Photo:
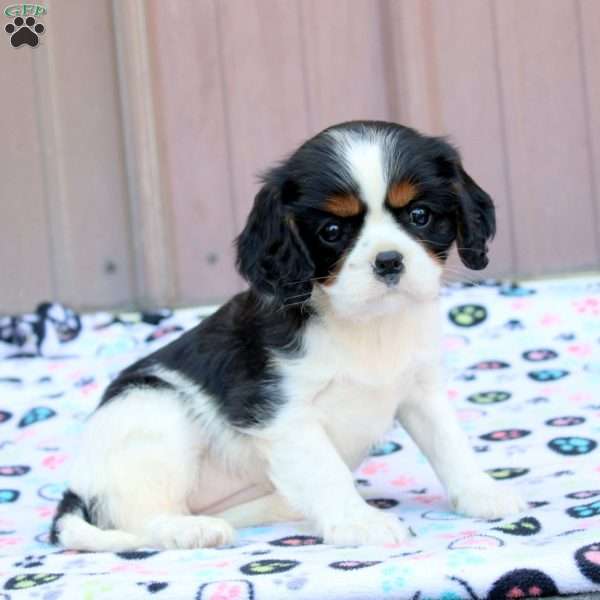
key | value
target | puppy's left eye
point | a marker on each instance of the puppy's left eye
(420, 216)
(330, 233)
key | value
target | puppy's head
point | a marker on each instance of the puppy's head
(362, 217)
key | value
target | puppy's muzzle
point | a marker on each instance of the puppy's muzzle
(388, 266)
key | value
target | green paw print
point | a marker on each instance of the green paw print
(489, 397)
(468, 315)
(24, 582)
(507, 473)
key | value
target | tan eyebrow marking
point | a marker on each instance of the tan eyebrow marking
(401, 193)
(343, 206)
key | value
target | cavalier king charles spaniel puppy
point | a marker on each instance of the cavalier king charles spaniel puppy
(261, 412)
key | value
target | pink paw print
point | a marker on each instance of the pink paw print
(580, 350)
(403, 481)
(550, 319)
(428, 500)
(54, 461)
(373, 467)
(588, 306)
(227, 591)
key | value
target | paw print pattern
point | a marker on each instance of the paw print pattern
(353, 565)
(154, 586)
(385, 448)
(36, 415)
(382, 503)
(567, 421)
(507, 472)
(31, 561)
(572, 446)
(24, 582)
(7, 496)
(238, 589)
(583, 495)
(489, 365)
(468, 315)
(545, 375)
(24, 32)
(492, 397)
(268, 566)
(297, 540)
(584, 511)
(588, 561)
(539, 355)
(516, 291)
(503, 435)
(524, 526)
(14, 470)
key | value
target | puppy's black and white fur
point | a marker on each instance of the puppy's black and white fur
(260, 413)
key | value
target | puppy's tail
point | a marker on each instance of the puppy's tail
(73, 528)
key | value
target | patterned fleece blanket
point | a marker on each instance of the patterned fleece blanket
(523, 365)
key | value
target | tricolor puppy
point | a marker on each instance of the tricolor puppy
(260, 413)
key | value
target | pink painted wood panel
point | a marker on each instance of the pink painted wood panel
(345, 59)
(194, 140)
(265, 89)
(86, 154)
(589, 30)
(547, 132)
(25, 261)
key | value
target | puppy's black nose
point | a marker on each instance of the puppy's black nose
(389, 265)
(389, 262)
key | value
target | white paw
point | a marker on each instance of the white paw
(183, 532)
(487, 500)
(367, 526)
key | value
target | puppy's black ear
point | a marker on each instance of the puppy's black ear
(270, 253)
(476, 222)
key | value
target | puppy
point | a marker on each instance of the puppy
(260, 413)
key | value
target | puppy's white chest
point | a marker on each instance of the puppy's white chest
(355, 416)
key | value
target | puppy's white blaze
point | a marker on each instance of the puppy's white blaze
(364, 158)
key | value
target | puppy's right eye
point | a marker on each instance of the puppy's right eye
(331, 232)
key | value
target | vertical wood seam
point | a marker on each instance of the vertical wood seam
(587, 114)
(391, 66)
(233, 190)
(53, 174)
(150, 223)
(506, 171)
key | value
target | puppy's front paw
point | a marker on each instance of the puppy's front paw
(367, 526)
(184, 532)
(487, 500)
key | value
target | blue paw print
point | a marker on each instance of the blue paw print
(385, 448)
(583, 511)
(572, 446)
(544, 375)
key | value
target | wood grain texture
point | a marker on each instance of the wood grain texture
(83, 151)
(589, 32)
(546, 128)
(193, 139)
(345, 61)
(265, 93)
(25, 250)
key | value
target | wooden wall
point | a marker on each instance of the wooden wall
(131, 143)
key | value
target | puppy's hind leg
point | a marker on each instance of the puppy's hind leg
(140, 471)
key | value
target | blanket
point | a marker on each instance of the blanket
(523, 371)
